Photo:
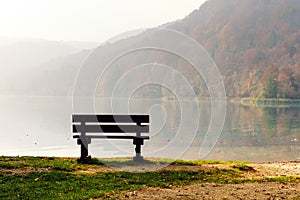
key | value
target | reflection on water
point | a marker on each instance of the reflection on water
(260, 134)
(42, 126)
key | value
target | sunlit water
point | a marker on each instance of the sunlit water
(40, 126)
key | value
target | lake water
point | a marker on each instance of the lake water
(41, 126)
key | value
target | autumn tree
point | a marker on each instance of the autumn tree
(290, 83)
(271, 85)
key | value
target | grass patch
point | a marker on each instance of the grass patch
(283, 179)
(51, 163)
(71, 164)
(243, 167)
(125, 161)
(62, 181)
(203, 162)
(66, 185)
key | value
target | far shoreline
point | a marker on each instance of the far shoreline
(280, 102)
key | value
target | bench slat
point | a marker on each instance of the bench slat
(111, 118)
(110, 129)
(113, 137)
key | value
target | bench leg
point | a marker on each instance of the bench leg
(138, 144)
(84, 156)
(84, 151)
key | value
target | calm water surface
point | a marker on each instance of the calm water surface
(41, 126)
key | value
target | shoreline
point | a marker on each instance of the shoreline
(280, 102)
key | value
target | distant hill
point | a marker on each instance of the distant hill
(18, 53)
(255, 44)
(27, 65)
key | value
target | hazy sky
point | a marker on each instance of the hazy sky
(87, 20)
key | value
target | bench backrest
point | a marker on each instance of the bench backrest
(110, 123)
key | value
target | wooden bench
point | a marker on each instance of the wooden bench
(130, 127)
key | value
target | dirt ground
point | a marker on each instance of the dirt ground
(226, 191)
(256, 190)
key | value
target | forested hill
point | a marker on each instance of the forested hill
(255, 43)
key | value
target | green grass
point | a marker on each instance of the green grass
(67, 185)
(64, 164)
(243, 167)
(165, 161)
(283, 179)
(59, 178)
(202, 162)
(71, 164)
